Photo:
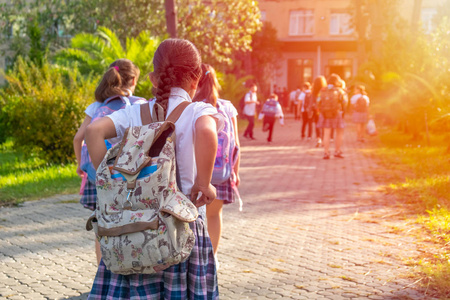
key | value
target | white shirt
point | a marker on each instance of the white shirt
(184, 130)
(292, 96)
(91, 109)
(250, 108)
(229, 108)
(357, 96)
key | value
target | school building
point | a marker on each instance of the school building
(318, 37)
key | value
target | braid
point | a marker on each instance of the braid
(176, 64)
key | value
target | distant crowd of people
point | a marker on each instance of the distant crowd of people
(321, 107)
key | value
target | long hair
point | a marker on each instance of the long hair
(335, 80)
(117, 79)
(319, 83)
(176, 64)
(208, 86)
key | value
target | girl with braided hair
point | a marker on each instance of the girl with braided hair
(227, 192)
(177, 69)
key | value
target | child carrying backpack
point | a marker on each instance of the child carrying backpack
(270, 112)
(360, 108)
(184, 147)
(225, 177)
(113, 93)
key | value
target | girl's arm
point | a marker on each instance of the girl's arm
(96, 133)
(238, 144)
(205, 143)
(78, 142)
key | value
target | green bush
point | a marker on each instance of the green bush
(43, 107)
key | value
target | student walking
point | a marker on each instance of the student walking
(360, 111)
(226, 168)
(270, 112)
(114, 91)
(251, 100)
(319, 83)
(177, 70)
(306, 109)
(331, 106)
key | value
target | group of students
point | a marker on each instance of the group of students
(178, 77)
(322, 105)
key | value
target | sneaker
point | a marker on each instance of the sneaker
(252, 138)
(338, 154)
(326, 156)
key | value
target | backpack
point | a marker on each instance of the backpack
(109, 106)
(270, 108)
(329, 102)
(226, 148)
(142, 218)
(361, 105)
(309, 105)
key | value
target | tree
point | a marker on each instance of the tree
(217, 27)
(262, 61)
(95, 52)
(54, 19)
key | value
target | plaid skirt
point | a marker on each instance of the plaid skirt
(225, 192)
(337, 122)
(358, 117)
(194, 279)
(89, 197)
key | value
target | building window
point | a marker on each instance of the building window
(340, 24)
(301, 22)
(299, 72)
(427, 15)
(341, 67)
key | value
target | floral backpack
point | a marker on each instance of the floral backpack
(142, 218)
(227, 150)
(109, 106)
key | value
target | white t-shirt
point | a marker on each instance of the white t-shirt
(91, 109)
(250, 108)
(357, 96)
(184, 130)
(229, 108)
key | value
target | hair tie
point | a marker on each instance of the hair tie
(207, 73)
(117, 68)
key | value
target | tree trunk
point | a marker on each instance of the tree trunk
(171, 18)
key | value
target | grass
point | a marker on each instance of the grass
(28, 177)
(418, 177)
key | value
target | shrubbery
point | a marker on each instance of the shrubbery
(42, 108)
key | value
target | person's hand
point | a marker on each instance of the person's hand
(237, 179)
(79, 172)
(207, 194)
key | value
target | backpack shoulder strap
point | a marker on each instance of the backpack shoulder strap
(146, 117)
(176, 113)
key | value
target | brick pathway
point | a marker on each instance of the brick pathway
(305, 232)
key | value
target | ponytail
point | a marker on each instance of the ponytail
(117, 79)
